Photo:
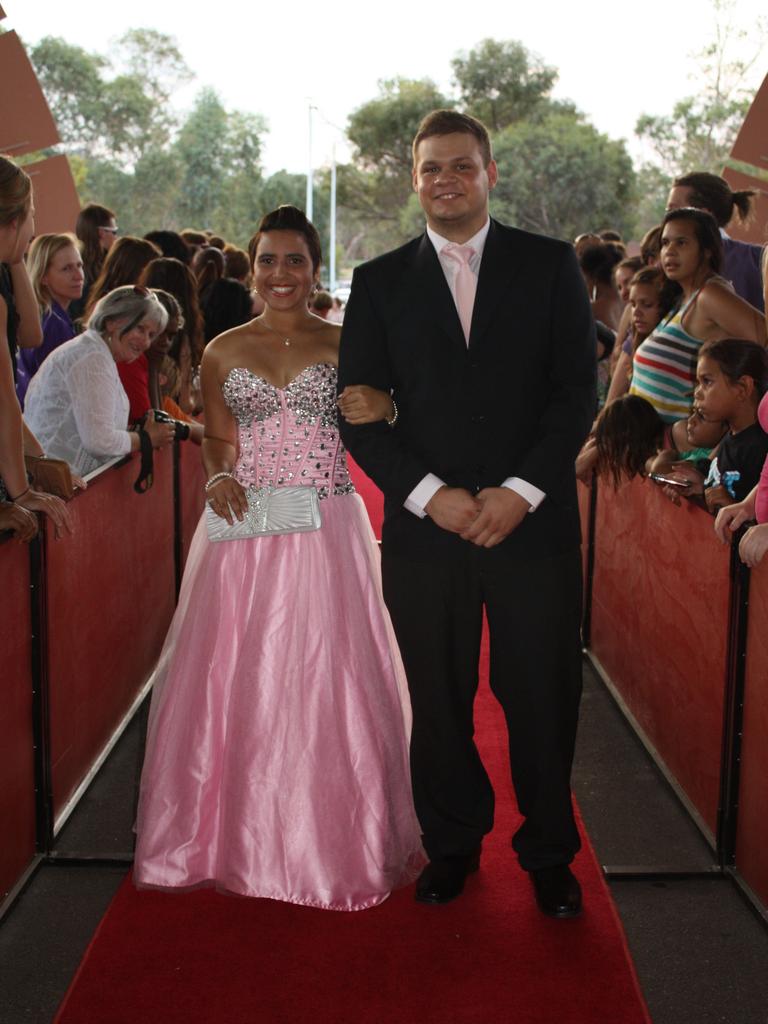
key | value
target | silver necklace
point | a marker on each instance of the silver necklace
(285, 341)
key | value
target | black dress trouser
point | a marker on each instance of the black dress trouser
(534, 612)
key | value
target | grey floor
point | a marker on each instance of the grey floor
(700, 951)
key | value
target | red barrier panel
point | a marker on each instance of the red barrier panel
(191, 494)
(17, 783)
(660, 626)
(110, 597)
(752, 830)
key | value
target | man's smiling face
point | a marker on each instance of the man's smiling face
(453, 183)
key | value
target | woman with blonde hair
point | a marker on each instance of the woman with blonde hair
(56, 271)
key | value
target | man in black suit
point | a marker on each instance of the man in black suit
(484, 336)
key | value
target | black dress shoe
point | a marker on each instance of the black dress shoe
(443, 880)
(558, 893)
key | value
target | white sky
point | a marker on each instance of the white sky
(616, 60)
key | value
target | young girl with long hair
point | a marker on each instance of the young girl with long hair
(123, 265)
(171, 275)
(754, 544)
(707, 310)
(731, 380)
(650, 299)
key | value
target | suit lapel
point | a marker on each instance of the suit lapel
(497, 268)
(431, 292)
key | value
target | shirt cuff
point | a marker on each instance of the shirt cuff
(421, 494)
(532, 494)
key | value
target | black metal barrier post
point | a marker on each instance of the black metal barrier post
(40, 696)
(733, 709)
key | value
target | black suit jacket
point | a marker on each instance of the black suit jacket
(518, 401)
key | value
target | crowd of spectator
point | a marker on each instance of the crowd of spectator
(101, 338)
(683, 369)
(104, 334)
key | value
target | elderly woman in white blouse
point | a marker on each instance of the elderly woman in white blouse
(76, 404)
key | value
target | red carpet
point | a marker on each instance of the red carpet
(488, 957)
(161, 959)
(370, 493)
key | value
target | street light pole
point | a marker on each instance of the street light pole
(332, 261)
(310, 182)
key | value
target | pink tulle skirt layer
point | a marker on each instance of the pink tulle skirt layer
(277, 752)
(761, 503)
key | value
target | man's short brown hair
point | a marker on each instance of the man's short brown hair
(447, 122)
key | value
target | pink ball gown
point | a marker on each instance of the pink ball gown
(277, 749)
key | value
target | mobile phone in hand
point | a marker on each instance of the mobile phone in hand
(659, 479)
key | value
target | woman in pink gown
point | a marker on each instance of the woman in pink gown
(277, 749)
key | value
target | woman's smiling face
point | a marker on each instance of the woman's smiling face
(283, 274)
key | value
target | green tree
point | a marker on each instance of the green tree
(561, 177)
(283, 188)
(382, 130)
(501, 82)
(72, 81)
(219, 152)
(200, 149)
(376, 186)
(653, 185)
(110, 113)
(700, 131)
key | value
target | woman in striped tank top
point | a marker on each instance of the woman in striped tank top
(664, 366)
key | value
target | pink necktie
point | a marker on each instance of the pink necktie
(465, 284)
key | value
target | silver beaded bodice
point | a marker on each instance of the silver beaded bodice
(289, 436)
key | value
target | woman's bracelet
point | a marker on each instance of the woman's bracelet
(213, 480)
(392, 420)
(19, 495)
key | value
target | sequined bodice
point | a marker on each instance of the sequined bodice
(289, 436)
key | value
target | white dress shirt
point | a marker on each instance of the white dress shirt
(417, 500)
(76, 404)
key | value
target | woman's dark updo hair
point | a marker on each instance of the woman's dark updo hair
(713, 193)
(170, 243)
(288, 218)
(599, 260)
(738, 358)
(707, 232)
(208, 268)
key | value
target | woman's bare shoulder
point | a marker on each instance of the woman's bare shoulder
(230, 342)
(716, 291)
